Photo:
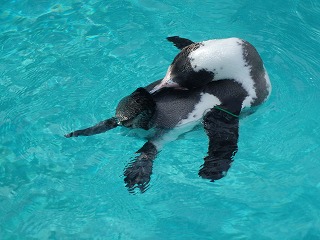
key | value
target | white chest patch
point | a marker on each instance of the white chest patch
(224, 57)
(207, 101)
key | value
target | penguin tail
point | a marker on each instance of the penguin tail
(179, 42)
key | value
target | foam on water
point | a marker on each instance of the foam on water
(66, 66)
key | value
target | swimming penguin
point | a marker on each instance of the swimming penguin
(232, 58)
(169, 112)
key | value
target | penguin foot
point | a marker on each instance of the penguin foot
(138, 172)
(215, 170)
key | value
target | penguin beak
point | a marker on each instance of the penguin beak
(156, 88)
(168, 83)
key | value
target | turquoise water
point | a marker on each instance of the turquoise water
(65, 65)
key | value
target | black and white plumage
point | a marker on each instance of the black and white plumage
(169, 112)
(232, 58)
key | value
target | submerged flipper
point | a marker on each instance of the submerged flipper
(96, 129)
(138, 172)
(179, 42)
(133, 111)
(222, 129)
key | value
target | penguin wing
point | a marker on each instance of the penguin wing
(222, 129)
(179, 42)
(101, 127)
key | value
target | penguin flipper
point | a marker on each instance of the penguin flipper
(179, 42)
(222, 129)
(101, 127)
(138, 172)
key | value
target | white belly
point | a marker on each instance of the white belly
(224, 57)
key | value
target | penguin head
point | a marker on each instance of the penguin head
(136, 110)
(183, 73)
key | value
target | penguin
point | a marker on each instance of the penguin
(168, 112)
(232, 58)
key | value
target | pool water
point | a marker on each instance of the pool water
(65, 65)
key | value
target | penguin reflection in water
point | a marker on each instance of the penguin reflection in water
(209, 82)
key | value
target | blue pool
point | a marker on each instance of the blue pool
(65, 65)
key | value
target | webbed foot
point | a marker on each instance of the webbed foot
(138, 172)
(214, 169)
